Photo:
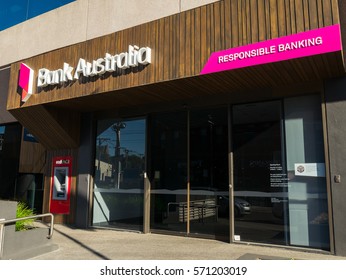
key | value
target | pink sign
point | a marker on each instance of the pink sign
(26, 78)
(313, 42)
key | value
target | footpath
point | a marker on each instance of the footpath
(103, 244)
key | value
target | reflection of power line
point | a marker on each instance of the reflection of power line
(113, 142)
(109, 134)
(127, 140)
(127, 151)
(133, 133)
(124, 150)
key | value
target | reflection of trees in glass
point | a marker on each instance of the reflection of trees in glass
(119, 161)
(103, 160)
(102, 153)
(133, 161)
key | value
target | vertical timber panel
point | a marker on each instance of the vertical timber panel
(313, 11)
(32, 157)
(299, 16)
(281, 18)
(254, 21)
(274, 26)
(261, 21)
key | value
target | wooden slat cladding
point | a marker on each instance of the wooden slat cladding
(32, 157)
(53, 128)
(181, 44)
(257, 20)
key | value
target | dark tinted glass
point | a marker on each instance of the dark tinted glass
(29, 188)
(260, 180)
(10, 136)
(279, 173)
(168, 151)
(209, 199)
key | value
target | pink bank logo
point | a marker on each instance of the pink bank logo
(313, 42)
(26, 78)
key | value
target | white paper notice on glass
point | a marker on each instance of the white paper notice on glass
(310, 169)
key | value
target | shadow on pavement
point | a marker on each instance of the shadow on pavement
(83, 245)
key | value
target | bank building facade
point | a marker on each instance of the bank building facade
(208, 119)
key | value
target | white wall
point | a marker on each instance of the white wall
(122, 14)
(82, 20)
(190, 4)
(55, 29)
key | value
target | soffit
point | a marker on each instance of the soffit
(277, 75)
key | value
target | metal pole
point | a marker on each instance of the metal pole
(188, 173)
(1, 237)
(3, 222)
(117, 161)
(117, 158)
(51, 228)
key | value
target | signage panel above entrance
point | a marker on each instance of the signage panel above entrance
(110, 63)
(134, 57)
(309, 43)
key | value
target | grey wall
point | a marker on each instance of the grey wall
(5, 117)
(335, 92)
(83, 20)
(8, 209)
(342, 12)
(19, 245)
(85, 169)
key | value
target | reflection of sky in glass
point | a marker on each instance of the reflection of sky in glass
(132, 138)
(2, 129)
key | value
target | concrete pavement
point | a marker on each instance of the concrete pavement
(103, 244)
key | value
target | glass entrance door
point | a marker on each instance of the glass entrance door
(259, 177)
(209, 180)
(168, 164)
(189, 172)
(280, 193)
(119, 174)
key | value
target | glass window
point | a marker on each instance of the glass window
(168, 150)
(29, 188)
(279, 172)
(10, 137)
(260, 188)
(207, 156)
(2, 133)
(119, 174)
(307, 192)
(209, 196)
